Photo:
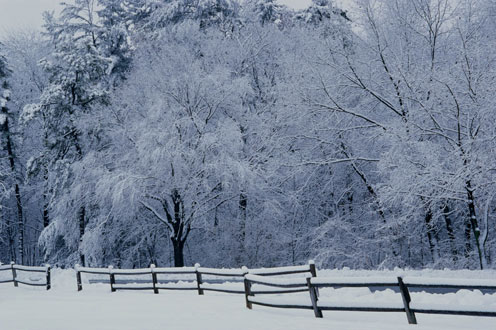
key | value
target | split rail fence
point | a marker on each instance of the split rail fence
(200, 278)
(266, 281)
(312, 285)
(15, 269)
(255, 284)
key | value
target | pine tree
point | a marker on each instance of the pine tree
(78, 72)
(269, 11)
(8, 146)
(220, 13)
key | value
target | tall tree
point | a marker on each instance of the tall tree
(6, 117)
(174, 165)
(77, 71)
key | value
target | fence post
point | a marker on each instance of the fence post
(247, 288)
(313, 271)
(112, 279)
(48, 280)
(313, 296)
(78, 278)
(154, 278)
(199, 280)
(14, 274)
(405, 295)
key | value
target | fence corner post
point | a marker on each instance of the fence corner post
(112, 278)
(199, 280)
(313, 297)
(48, 279)
(248, 292)
(154, 278)
(14, 274)
(405, 295)
(78, 278)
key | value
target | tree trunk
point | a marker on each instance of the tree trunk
(82, 214)
(10, 152)
(451, 233)
(468, 234)
(430, 232)
(20, 223)
(243, 203)
(178, 246)
(377, 201)
(474, 223)
(10, 235)
(82, 210)
(180, 232)
(46, 215)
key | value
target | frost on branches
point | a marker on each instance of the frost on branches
(238, 133)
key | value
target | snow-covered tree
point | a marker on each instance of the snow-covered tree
(77, 71)
(220, 13)
(169, 153)
(9, 149)
(246, 133)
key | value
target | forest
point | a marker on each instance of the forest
(231, 133)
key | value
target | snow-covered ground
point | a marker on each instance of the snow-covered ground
(96, 307)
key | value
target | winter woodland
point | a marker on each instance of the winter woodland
(235, 133)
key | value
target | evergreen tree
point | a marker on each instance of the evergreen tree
(9, 148)
(77, 81)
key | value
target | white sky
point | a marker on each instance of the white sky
(22, 14)
(26, 14)
(298, 4)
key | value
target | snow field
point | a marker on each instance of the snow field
(27, 308)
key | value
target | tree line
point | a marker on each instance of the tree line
(248, 133)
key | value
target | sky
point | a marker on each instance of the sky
(23, 14)
(27, 14)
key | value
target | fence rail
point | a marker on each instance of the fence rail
(313, 284)
(14, 269)
(256, 284)
(199, 283)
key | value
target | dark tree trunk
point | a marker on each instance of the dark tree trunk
(180, 232)
(377, 202)
(11, 243)
(178, 252)
(451, 233)
(46, 215)
(10, 235)
(20, 226)
(243, 203)
(178, 224)
(82, 210)
(10, 152)
(468, 246)
(473, 221)
(430, 232)
(82, 215)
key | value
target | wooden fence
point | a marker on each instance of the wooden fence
(257, 283)
(313, 284)
(14, 269)
(201, 280)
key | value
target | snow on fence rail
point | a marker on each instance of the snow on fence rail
(313, 284)
(13, 268)
(283, 285)
(199, 284)
(152, 271)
